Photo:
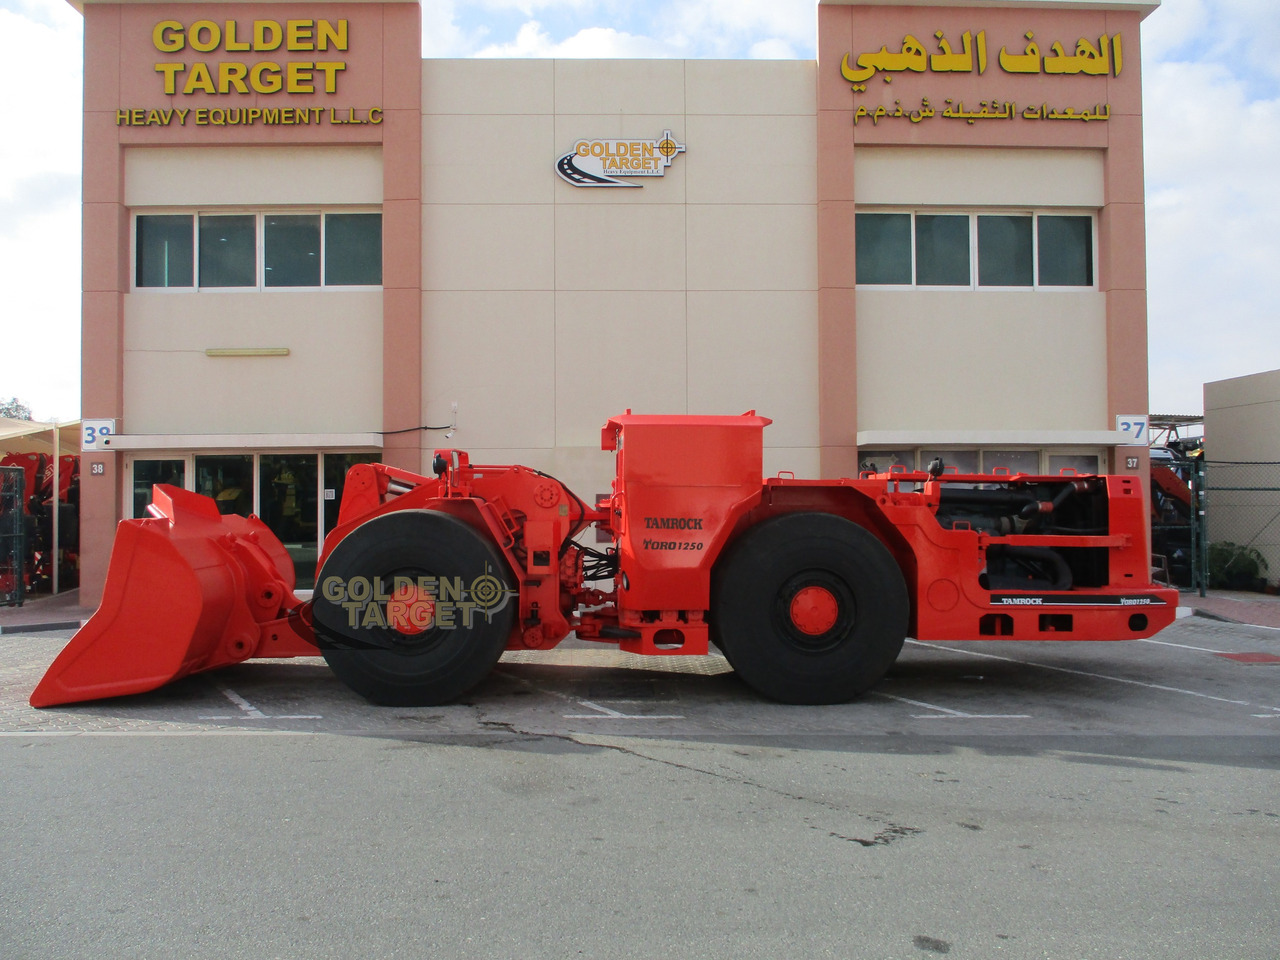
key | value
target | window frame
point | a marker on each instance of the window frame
(973, 214)
(260, 215)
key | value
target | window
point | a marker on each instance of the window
(1070, 461)
(942, 250)
(883, 247)
(972, 250)
(884, 461)
(953, 461)
(353, 249)
(291, 251)
(1066, 251)
(165, 256)
(1015, 461)
(981, 460)
(228, 480)
(1004, 251)
(147, 473)
(228, 252)
(258, 250)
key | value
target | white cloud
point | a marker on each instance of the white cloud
(40, 274)
(441, 36)
(1213, 199)
(773, 29)
(40, 67)
(530, 8)
(592, 43)
(1238, 34)
(772, 49)
(40, 63)
(730, 27)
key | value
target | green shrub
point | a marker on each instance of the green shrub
(1233, 567)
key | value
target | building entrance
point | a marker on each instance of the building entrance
(295, 494)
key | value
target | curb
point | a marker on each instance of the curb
(1219, 618)
(18, 628)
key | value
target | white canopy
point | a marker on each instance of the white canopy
(36, 436)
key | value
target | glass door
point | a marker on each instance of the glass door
(336, 466)
(296, 495)
(147, 473)
(287, 487)
(228, 480)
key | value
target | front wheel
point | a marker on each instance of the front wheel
(413, 608)
(809, 608)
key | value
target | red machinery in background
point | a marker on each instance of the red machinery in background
(808, 587)
(40, 553)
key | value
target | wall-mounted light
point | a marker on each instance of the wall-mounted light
(247, 352)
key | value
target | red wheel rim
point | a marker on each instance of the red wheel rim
(410, 610)
(814, 610)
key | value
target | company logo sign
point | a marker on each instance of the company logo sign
(598, 163)
(233, 73)
(1104, 59)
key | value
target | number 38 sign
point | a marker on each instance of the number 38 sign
(96, 435)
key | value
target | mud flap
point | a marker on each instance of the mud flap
(187, 590)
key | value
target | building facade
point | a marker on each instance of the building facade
(305, 246)
(1242, 447)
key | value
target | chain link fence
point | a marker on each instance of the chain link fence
(12, 536)
(1238, 538)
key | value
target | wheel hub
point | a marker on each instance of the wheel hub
(411, 610)
(814, 610)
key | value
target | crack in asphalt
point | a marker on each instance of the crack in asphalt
(890, 832)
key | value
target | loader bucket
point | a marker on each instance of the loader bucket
(185, 592)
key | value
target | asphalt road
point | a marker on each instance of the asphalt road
(1050, 800)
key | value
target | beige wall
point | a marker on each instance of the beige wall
(331, 381)
(548, 308)
(276, 176)
(987, 360)
(1242, 418)
(1242, 426)
(979, 176)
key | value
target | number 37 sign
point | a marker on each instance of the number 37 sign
(1134, 427)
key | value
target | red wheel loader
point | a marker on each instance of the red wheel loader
(808, 587)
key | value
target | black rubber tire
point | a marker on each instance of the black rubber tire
(432, 667)
(752, 588)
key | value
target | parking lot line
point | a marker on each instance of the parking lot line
(605, 714)
(1087, 673)
(249, 711)
(946, 713)
(248, 708)
(220, 732)
(1181, 646)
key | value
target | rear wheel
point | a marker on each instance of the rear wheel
(413, 608)
(809, 608)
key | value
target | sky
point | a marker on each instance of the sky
(1211, 90)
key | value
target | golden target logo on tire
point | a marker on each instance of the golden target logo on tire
(487, 591)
